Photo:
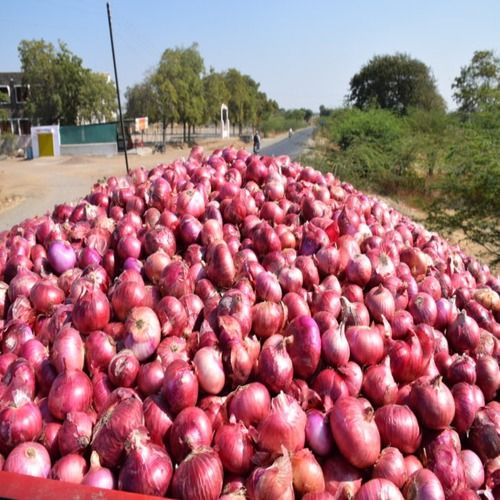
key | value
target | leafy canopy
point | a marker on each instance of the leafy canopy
(395, 82)
(61, 88)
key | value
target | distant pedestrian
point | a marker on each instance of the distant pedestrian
(256, 142)
(290, 133)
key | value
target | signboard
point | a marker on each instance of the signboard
(141, 124)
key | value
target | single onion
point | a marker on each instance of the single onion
(366, 345)
(473, 468)
(379, 488)
(67, 350)
(150, 377)
(235, 447)
(268, 318)
(180, 386)
(61, 256)
(380, 303)
(342, 480)
(307, 473)
(75, 434)
(29, 459)
(379, 385)
(391, 465)
(423, 308)
(432, 402)
(99, 350)
(143, 332)
(422, 485)
(275, 367)
(91, 311)
(304, 345)
(283, 426)
(123, 368)
(157, 418)
(355, 432)
(250, 404)
(147, 469)
(98, 476)
(274, 481)
(70, 469)
(318, 435)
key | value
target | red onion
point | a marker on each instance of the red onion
(358, 270)
(309, 270)
(267, 287)
(126, 295)
(274, 481)
(423, 308)
(342, 480)
(432, 402)
(379, 488)
(114, 426)
(250, 404)
(275, 367)
(61, 256)
(461, 369)
(70, 391)
(380, 303)
(326, 300)
(15, 335)
(318, 434)
(91, 311)
(99, 350)
(488, 376)
(268, 318)
(147, 469)
(70, 469)
(209, 369)
(283, 426)
(75, 433)
(423, 484)
(180, 386)
(296, 306)
(49, 437)
(412, 464)
(235, 447)
(391, 465)
(379, 385)
(68, 350)
(468, 399)
(463, 333)
(44, 295)
(483, 434)
(29, 459)
(20, 421)
(473, 468)
(157, 418)
(366, 345)
(220, 266)
(307, 473)
(143, 333)
(304, 345)
(335, 347)
(97, 476)
(398, 427)
(175, 280)
(199, 475)
(123, 368)
(446, 463)
(355, 432)
(150, 377)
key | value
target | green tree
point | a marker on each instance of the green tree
(97, 98)
(178, 82)
(396, 82)
(477, 88)
(4, 114)
(62, 90)
(215, 93)
(140, 101)
(236, 86)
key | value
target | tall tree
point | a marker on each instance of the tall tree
(215, 93)
(396, 82)
(62, 90)
(97, 98)
(237, 97)
(178, 77)
(477, 88)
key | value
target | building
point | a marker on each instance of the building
(14, 94)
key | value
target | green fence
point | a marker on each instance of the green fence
(88, 134)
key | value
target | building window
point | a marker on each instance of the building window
(5, 94)
(21, 93)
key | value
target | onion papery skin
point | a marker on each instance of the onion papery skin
(29, 459)
(352, 423)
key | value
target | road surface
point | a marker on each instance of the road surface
(292, 147)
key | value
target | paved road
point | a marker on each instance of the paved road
(293, 146)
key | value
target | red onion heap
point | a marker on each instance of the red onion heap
(237, 326)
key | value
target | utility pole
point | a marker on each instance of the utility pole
(117, 88)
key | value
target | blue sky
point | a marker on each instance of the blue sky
(303, 53)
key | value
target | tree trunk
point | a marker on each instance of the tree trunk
(240, 128)
(184, 131)
(189, 133)
(164, 131)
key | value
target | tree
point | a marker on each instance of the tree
(215, 93)
(178, 83)
(396, 82)
(237, 97)
(477, 88)
(97, 98)
(61, 89)
(140, 101)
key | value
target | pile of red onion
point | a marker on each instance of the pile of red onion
(235, 326)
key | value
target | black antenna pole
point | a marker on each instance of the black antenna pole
(117, 88)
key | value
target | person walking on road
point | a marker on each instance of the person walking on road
(256, 142)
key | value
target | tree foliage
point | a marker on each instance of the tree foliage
(477, 88)
(216, 93)
(62, 90)
(395, 82)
